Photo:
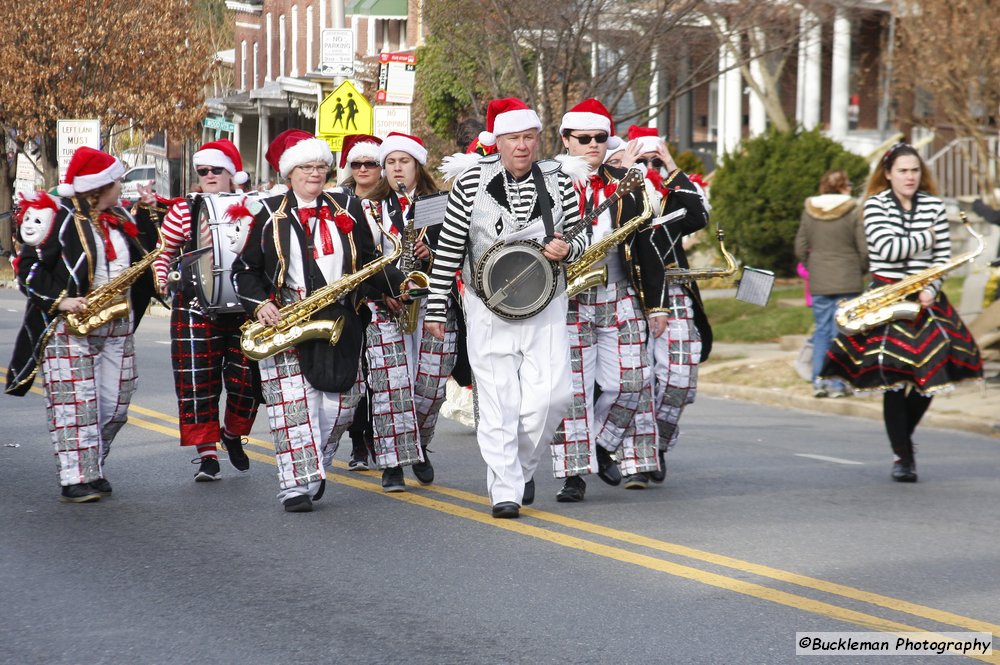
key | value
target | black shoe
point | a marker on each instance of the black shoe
(237, 457)
(359, 455)
(101, 486)
(80, 493)
(528, 497)
(392, 479)
(319, 492)
(637, 481)
(208, 470)
(424, 471)
(904, 473)
(506, 510)
(573, 489)
(660, 474)
(300, 503)
(607, 468)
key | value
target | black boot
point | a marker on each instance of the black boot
(573, 490)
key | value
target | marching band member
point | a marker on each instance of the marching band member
(391, 416)
(687, 339)
(299, 242)
(521, 367)
(607, 325)
(403, 158)
(71, 249)
(908, 361)
(204, 346)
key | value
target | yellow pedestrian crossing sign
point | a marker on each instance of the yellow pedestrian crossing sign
(344, 111)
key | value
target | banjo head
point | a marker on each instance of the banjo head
(515, 280)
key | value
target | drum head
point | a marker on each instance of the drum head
(518, 282)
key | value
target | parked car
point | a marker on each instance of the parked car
(141, 174)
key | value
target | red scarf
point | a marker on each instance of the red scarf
(596, 185)
(106, 221)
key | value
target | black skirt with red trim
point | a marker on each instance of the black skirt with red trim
(929, 353)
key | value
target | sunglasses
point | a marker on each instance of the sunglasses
(585, 140)
(205, 170)
(656, 163)
(356, 166)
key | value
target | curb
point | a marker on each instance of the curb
(841, 407)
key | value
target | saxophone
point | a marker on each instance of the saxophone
(581, 275)
(888, 303)
(296, 326)
(679, 276)
(409, 316)
(108, 301)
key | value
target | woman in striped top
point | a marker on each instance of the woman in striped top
(907, 232)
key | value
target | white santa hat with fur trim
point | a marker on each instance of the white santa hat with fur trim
(591, 115)
(506, 116)
(396, 141)
(294, 147)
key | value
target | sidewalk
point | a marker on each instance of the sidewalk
(764, 373)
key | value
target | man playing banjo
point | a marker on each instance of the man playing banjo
(515, 301)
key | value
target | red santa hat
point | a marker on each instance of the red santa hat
(222, 153)
(411, 145)
(648, 138)
(294, 147)
(506, 116)
(357, 146)
(591, 115)
(88, 170)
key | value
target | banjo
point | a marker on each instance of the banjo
(514, 279)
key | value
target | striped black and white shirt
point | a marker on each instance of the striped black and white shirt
(902, 242)
(452, 243)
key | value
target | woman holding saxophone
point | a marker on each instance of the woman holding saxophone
(307, 254)
(908, 360)
(85, 257)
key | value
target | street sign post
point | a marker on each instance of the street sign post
(72, 134)
(391, 119)
(397, 76)
(337, 53)
(344, 111)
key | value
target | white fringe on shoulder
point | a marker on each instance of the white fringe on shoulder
(455, 165)
(575, 167)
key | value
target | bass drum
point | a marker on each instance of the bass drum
(211, 232)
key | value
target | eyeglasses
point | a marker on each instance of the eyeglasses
(585, 140)
(656, 163)
(313, 168)
(205, 170)
(357, 166)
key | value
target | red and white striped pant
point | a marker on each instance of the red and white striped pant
(88, 384)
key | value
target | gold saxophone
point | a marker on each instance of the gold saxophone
(581, 275)
(109, 301)
(296, 326)
(888, 303)
(681, 276)
(409, 315)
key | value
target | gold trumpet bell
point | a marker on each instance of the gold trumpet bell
(410, 315)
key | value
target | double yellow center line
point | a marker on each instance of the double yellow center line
(457, 503)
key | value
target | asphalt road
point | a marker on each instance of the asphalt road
(771, 522)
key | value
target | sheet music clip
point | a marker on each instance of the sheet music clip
(755, 286)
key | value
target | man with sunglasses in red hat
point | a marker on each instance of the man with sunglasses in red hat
(607, 324)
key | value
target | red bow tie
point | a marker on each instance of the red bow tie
(596, 185)
(323, 213)
(106, 221)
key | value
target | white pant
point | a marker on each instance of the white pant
(522, 387)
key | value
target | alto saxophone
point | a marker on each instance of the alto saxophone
(681, 276)
(409, 315)
(581, 275)
(888, 303)
(109, 301)
(296, 325)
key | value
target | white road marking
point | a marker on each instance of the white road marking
(160, 341)
(824, 458)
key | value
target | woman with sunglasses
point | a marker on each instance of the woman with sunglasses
(906, 227)
(73, 246)
(607, 325)
(387, 374)
(205, 347)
